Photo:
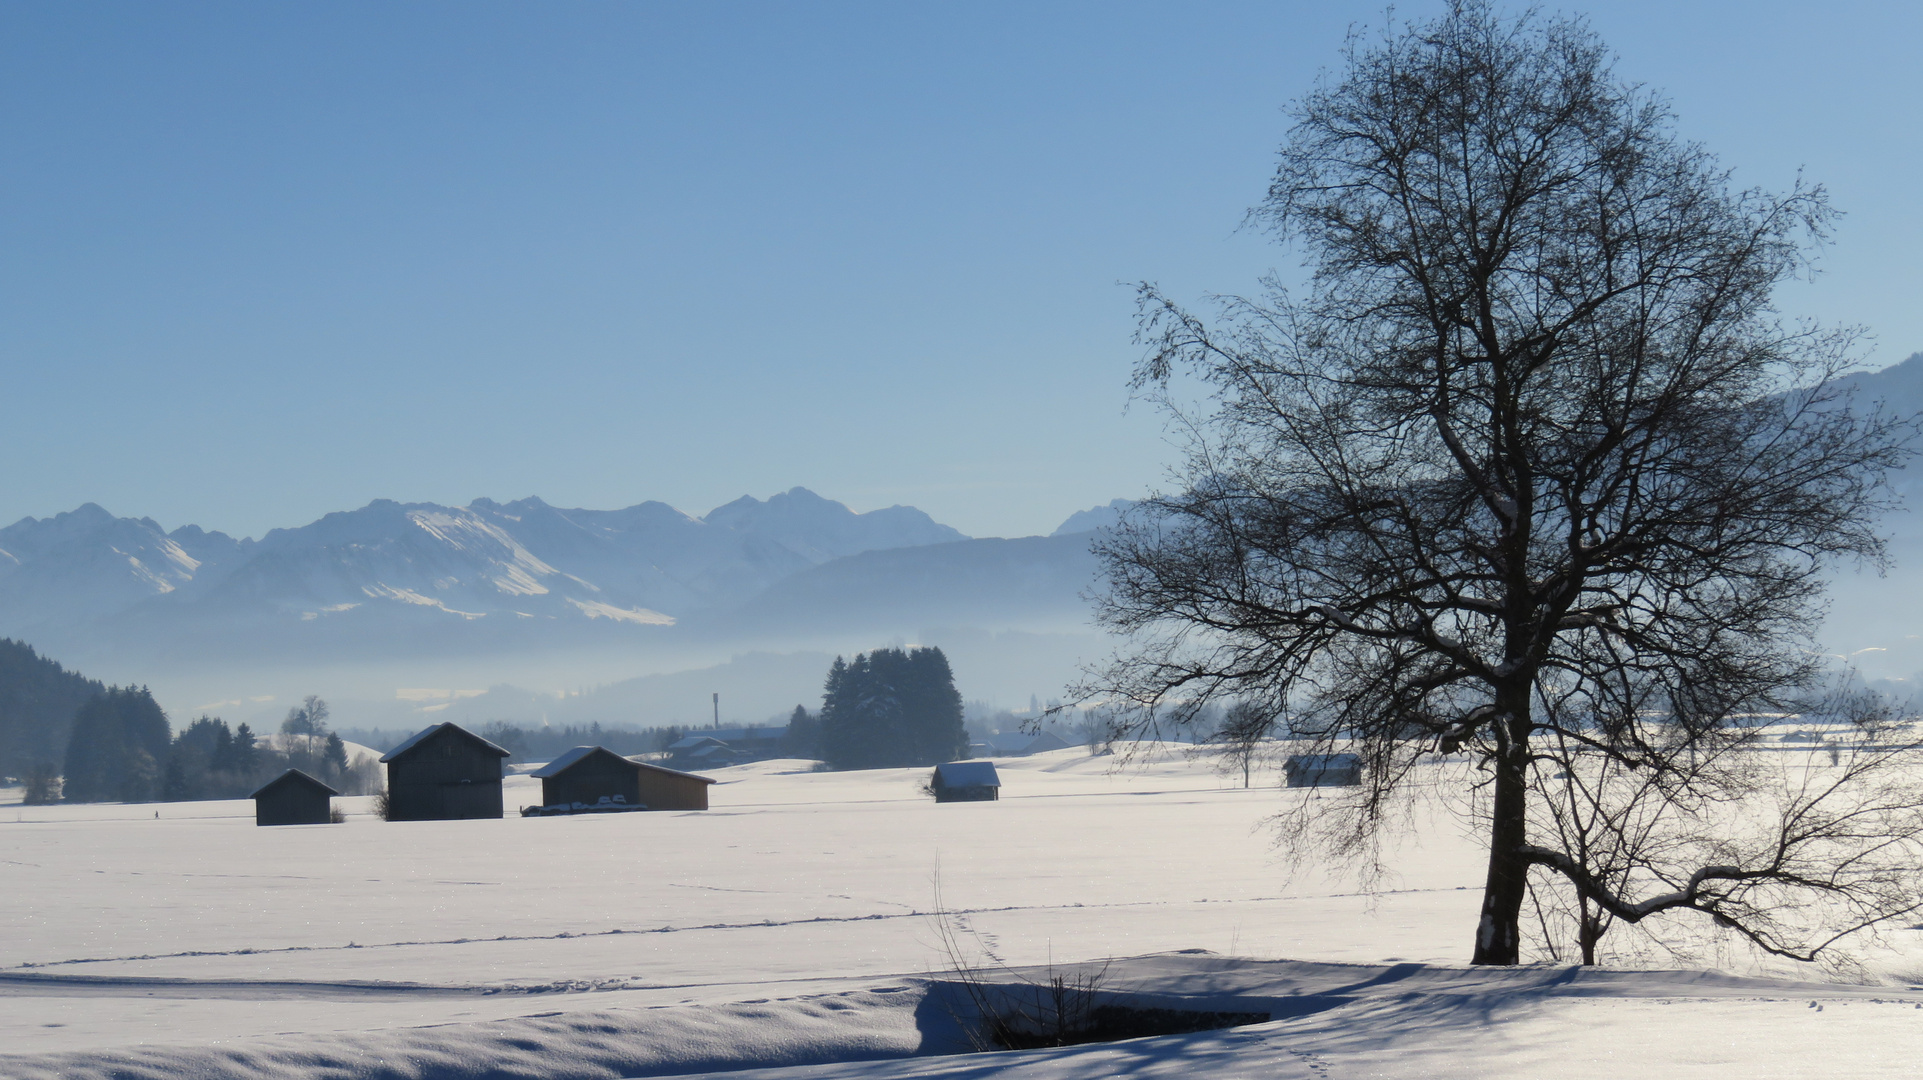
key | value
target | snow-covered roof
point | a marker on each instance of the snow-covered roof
(692, 740)
(675, 772)
(968, 774)
(567, 760)
(418, 737)
(292, 776)
(1324, 761)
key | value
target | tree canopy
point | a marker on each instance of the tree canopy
(1531, 471)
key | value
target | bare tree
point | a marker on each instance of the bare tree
(1244, 731)
(308, 721)
(1531, 464)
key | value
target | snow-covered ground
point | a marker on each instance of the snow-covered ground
(796, 927)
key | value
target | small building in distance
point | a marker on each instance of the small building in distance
(1323, 770)
(293, 798)
(966, 781)
(590, 776)
(1021, 743)
(701, 750)
(750, 743)
(443, 773)
(717, 746)
(663, 788)
(1045, 742)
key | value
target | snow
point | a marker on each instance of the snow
(595, 609)
(792, 931)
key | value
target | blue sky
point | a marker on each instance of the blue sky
(259, 262)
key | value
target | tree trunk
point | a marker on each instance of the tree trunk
(1499, 932)
(1589, 930)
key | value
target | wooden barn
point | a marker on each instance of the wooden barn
(293, 798)
(444, 773)
(966, 781)
(1322, 770)
(590, 776)
(671, 789)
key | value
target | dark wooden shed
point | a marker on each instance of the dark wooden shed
(590, 776)
(293, 798)
(1322, 770)
(966, 781)
(444, 773)
(671, 789)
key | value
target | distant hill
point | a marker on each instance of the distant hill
(38, 699)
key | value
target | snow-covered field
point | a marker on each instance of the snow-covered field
(793, 931)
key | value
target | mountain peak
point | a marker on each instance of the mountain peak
(1095, 517)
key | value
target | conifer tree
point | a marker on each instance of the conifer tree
(892, 708)
(115, 751)
(334, 758)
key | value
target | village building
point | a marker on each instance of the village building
(1322, 770)
(718, 746)
(966, 781)
(750, 743)
(444, 773)
(701, 750)
(293, 798)
(1020, 744)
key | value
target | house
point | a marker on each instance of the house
(293, 798)
(966, 781)
(1046, 741)
(1022, 744)
(751, 743)
(701, 750)
(1323, 770)
(591, 777)
(444, 773)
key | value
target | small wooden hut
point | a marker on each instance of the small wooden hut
(589, 777)
(1322, 770)
(444, 773)
(966, 781)
(663, 788)
(293, 798)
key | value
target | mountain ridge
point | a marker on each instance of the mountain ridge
(524, 559)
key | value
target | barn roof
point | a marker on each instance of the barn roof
(423, 734)
(650, 766)
(694, 740)
(1324, 761)
(292, 776)
(968, 774)
(573, 757)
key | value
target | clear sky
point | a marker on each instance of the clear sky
(259, 261)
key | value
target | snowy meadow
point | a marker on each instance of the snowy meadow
(813, 924)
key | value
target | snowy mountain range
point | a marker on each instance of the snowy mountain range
(401, 575)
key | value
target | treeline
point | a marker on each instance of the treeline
(890, 709)
(72, 739)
